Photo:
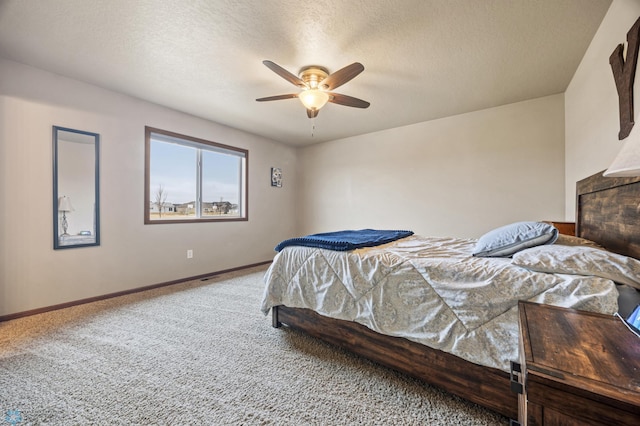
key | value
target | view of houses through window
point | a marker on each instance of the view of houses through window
(190, 179)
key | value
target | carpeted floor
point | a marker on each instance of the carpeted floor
(200, 353)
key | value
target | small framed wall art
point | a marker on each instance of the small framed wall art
(276, 177)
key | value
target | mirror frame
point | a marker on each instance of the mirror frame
(57, 244)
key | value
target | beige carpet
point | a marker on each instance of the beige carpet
(200, 353)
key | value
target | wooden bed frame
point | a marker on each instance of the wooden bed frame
(608, 212)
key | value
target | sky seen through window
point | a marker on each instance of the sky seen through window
(174, 167)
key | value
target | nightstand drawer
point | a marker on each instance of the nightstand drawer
(553, 417)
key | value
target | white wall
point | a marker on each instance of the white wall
(591, 102)
(458, 176)
(33, 275)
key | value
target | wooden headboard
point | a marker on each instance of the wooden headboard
(608, 212)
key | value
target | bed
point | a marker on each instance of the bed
(359, 316)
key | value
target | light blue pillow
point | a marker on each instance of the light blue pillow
(509, 239)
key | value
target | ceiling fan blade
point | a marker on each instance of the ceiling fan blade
(341, 76)
(277, 98)
(312, 113)
(291, 78)
(345, 100)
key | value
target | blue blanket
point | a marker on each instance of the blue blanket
(346, 240)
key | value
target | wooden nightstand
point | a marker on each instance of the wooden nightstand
(566, 228)
(578, 368)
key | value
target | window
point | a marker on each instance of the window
(193, 180)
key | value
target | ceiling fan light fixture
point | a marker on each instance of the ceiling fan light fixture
(317, 86)
(313, 99)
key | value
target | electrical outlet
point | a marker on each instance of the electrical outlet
(189, 254)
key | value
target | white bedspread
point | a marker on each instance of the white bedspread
(429, 290)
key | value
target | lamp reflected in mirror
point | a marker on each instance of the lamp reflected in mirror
(64, 206)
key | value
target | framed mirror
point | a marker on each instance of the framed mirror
(76, 201)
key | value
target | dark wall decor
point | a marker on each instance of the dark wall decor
(276, 177)
(624, 73)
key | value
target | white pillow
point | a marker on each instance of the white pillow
(509, 239)
(580, 260)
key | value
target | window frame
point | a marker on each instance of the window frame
(243, 203)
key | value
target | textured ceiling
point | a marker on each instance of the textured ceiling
(424, 59)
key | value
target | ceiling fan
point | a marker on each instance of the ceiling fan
(317, 85)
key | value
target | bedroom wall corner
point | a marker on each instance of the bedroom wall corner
(591, 103)
(131, 254)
